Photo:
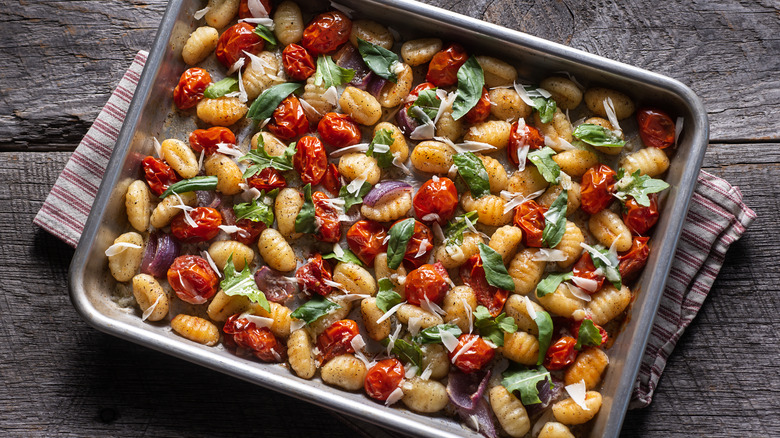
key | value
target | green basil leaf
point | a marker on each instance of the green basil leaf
(549, 284)
(526, 381)
(493, 329)
(380, 60)
(304, 222)
(547, 167)
(608, 263)
(495, 271)
(242, 283)
(400, 233)
(598, 136)
(545, 107)
(351, 199)
(407, 351)
(191, 185)
(428, 102)
(555, 221)
(221, 88)
(637, 186)
(387, 297)
(255, 212)
(329, 74)
(383, 139)
(266, 34)
(473, 172)
(589, 335)
(347, 257)
(471, 80)
(453, 232)
(545, 325)
(263, 107)
(260, 159)
(314, 309)
(432, 335)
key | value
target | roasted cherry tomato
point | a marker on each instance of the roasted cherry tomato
(656, 128)
(632, 261)
(298, 63)
(288, 119)
(421, 238)
(189, 90)
(584, 268)
(236, 40)
(473, 274)
(245, 12)
(208, 140)
(521, 137)
(575, 331)
(326, 33)
(259, 341)
(332, 180)
(158, 175)
(337, 339)
(436, 201)
(481, 110)
(427, 281)
(383, 378)
(597, 187)
(529, 216)
(475, 357)
(367, 240)
(443, 69)
(248, 232)
(327, 218)
(560, 354)
(267, 179)
(192, 278)
(310, 160)
(207, 221)
(638, 218)
(338, 130)
(415, 93)
(311, 276)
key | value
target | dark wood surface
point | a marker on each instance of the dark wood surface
(59, 61)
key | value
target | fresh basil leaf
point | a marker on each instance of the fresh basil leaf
(473, 172)
(589, 335)
(400, 233)
(545, 325)
(380, 60)
(471, 80)
(495, 271)
(255, 212)
(453, 232)
(432, 335)
(305, 221)
(526, 381)
(314, 309)
(608, 263)
(266, 34)
(260, 159)
(637, 186)
(598, 136)
(545, 106)
(555, 221)
(347, 257)
(407, 351)
(379, 148)
(221, 88)
(547, 167)
(493, 329)
(351, 199)
(242, 283)
(428, 102)
(387, 297)
(191, 185)
(329, 74)
(265, 105)
(549, 284)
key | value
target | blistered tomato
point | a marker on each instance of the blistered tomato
(332, 180)
(443, 69)
(208, 140)
(298, 63)
(288, 119)
(529, 216)
(310, 160)
(189, 90)
(597, 187)
(436, 201)
(206, 225)
(337, 340)
(248, 232)
(326, 33)
(192, 278)
(367, 240)
(383, 378)
(584, 268)
(245, 12)
(656, 128)
(158, 175)
(259, 341)
(420, 244)
(327, 218)
(311, 276)
(638, 218)
(521, 137)
(481, 110)
(575, 330)
(632, 261)
(560, 354)
(236, 40)
(267, 179)
(473, 274)
(338, 130)
(475, 355)
(427, 281)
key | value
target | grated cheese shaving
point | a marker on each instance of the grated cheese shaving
(337, 250)
(595, 253)
(609, 107)
(149, 310)
(358, 343)
(157, 147)
(360, 147)
(414, 325)
(296, 324)
(308, 109)
(381, 148)
(529, 308)
(256, 8)
(186, 209)
(438, 233)
(394, 396)
(449, 340)
(267, 22)
(559, 144)
(119, 248)
(578, 292)
(354, 297)
(259, 321)
(237, 65)
(473, 146)
(230, 229)
(242, 96)
(424, 131)
(207, 256)
(467, 309)
(422, 249)
(588, 284)
(520, 89)
(200, 159)
(229, 150)
(465, 348)
(393, 336)
(411, 372)
(447, 99)
(565, 181)
(389, 313)
(431, 307)
(331, 95)
(426, 374)
(549, 255)
(578, 393)
(200, 13)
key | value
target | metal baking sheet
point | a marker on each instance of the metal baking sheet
(92, 288)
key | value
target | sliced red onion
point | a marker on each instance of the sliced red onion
(385, 190)
(375, 85)
(547, 395)
(465, 392)
(363, 81)
(275, 286)
(406, 123)
(349, 57)
(161, 250)
(208, 198)
(228, 215)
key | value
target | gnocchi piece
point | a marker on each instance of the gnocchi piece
(223, 306)
(354, 279)
(229, 176)
(409, 311)
(648, 161)
(389, 210)
(281, 315)
(525, 271)
(151, 297)
(167, 209)
(608, 303)
(199, 45)
(399, 148)
(340, 313)
(138, 205)
(125, 264)
(460, 303)
(608, 228)
(570, 244)
(490, 209)
(393, 94)
(224, 111)
(448, 127)
(222, 250)
(517, 308)
(258, 78)
(496, 173)
(395, 276)
(553, 429)
(505, 241)
(587, 367)
(418, 52)
(526, 181)
(576, 162)
(360, 105)
(435, 357)
(595, 99)
(432, 157)
(564, 91)
(288, 23)
(221, 12)
(497, 73)
(453, 256)
(510, 412)
(562, 302)
(372, 32)
(506, 104)
(277, 253)
(286, 208)
(195, 329)
(180, 157)
(572, 197)
(493, 132)
(272, 145)
(558, 128)
(314, 95)
(371, 314)
(345, 371)
(424, 396)
(299, 354)
(568, 412)
(521, 347)
(358, 164)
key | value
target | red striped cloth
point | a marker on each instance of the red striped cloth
(716, 219)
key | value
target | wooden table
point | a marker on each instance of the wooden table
(60, 60)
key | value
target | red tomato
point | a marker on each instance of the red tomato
(437, 196)
(267, 179)
(638, 218)
(421, 238)
(473, 358)
(310, 160)
(259, 341)
(189, 90)
(339, 130)
(584, 268)
(481, 110)
(244, 12)
(597, 187)
(632, 261)
(326, 33)
(528, 136)
(336, 340)
(427, 281)
(288, 120)
(298, 63)
(575, 330)
(207, 222)
(311, 276)
(327, 218)
(158, 175)
(235, 41)
(367, 240)
(473, 274)
(415, 93)
(529, 216)
(208, 140)
(443, 69)
(656, 128)
(192, 278)
(560, 354)
(332, 180)
(249, 231)
(383, 378)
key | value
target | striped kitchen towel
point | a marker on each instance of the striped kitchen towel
(716, 219)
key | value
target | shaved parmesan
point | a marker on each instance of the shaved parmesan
(397, 67)
(393, 336)
(230, 229)
(515, 199)
(149, 310)
(438, 233)
(157, 147)
(242, 96)
(207, 256)
(465, 348)
(296, 324)
(414, 325)
(256, 8)
(200, 159)
(447, 99)
(338, 251)
(522, 154)
(559, 144)
(588, 284)
(529, 308)
(469, 317)
(186, 209)
(678, 126)
(394, 396)
(431, 307)
(358, 343)
(267, 22)
(549, 255)
(596, 253)
(310, 111)
(259, 321)
(411, 372)
(354, 186)
(520, 89)
(609, 107)
(424, 131)
(238, 64)
(577, 292)
(354, 297)
(390, 313)
(474, 146)
(331, 95)
(474, 421)
(335, 284)
(426, 374)
(381, 148)
(490, 344)
(565, 181)
(578, 393)
(200, 13)
(400, 164)
(360, 147)
(229, 150)
(449, 340)
(119, 247)
(546, 94)
(423, 248)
